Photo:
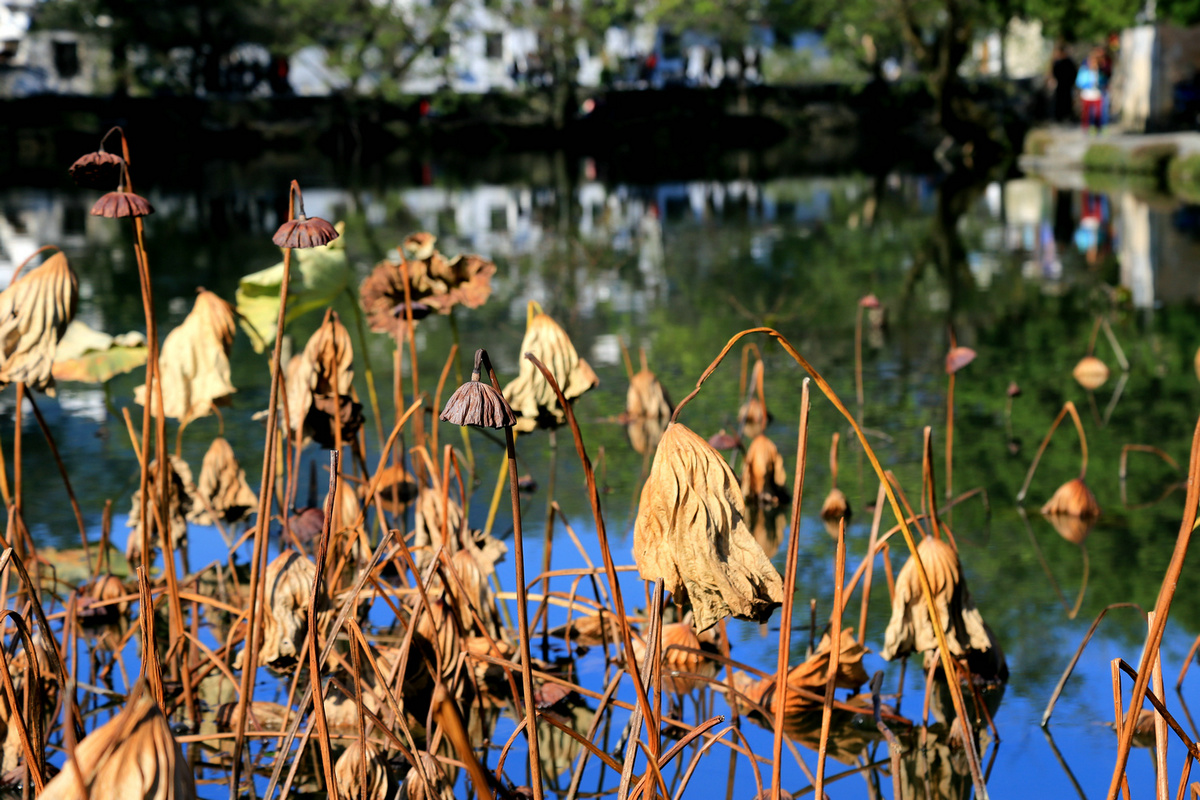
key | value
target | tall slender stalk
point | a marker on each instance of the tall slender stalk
(789, 595)
(835, 654)
(1068, 408)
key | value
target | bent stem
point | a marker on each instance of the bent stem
(535, 763)
(789, 591)
(1068, 408)
(948, 664)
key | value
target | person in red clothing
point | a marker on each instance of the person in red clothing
(1091, 93)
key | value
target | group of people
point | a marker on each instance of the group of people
(1091, 79)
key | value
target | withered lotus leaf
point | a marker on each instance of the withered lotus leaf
(438, 786)
(529, 394)
(835, 506)
(679, 639)
(264, 716)
(289, 583)
(591, 630)
(182, 500)
(763, 474)
(34, 313)
(1073, 499)
(194, 361)
(753, 416)
(397, 488)
(691, 532)
(319, 385)
(222, 488)
(133, 756)
(1090, 372)
(103, 588)
(349, 773)
(118, 205)
(646, 398)
(911, 629)
(811, 676)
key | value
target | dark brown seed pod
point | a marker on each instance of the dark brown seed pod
(97, 170)
(304, 232)
(478, 403)
(115, 205)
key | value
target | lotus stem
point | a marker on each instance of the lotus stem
(1161, 608)
(535, 764)
(858, 366)
(437, 403)
(835, 654)
(926, 588)
(871, 545)
(1068, 408)
(928, 480)
(789, 591)
(610, 568)
(950, 439)
(314, 666)
(257, 588)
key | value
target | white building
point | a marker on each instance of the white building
(47, 62)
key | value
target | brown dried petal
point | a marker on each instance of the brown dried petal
(530, 395)
(116, 205)
(98, 170)
(34, 313)
(691, 532)
(133, 756)
(194, 361)
(478, 403)
(910, 629)
(222, 487)
(304, 232)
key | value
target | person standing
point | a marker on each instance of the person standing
(1062, 79)
(1091, 93)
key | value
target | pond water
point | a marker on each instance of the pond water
(1014, 268)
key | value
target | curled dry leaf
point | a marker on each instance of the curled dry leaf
(182, 500)
(475, 594)
(644, 433)
(194, 361)
(591, 630)
(439, 785)
(810, 676)
(1073, 499)
(691, 532)
(1090, 372)
(678, 640)
(753, 416)
(264, 716)
(133, 756)
(437, 624)
(397, 488)
(320, 385)
(103, 588)
(349, 772)
(910, 629)
(530, 395)
(1072, 528)
(646, 398)
(222, 488)
(289, 583)
(763, 475)
(835, 506)
(434, 283)
(34, 313)
(767, 523)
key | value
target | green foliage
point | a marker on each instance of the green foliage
(1183, 177)
(1109, 157)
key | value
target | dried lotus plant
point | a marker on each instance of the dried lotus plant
(434, 283)
(103, 588)
(753, 416)
(264, 716)
(1073, 498)
(691, 532)
(35, 310)
(289, 579)
(529, 394)
(646, 398)
(362, 772)
(133, 756)
(592, 630)
(764, 477)
(182, 500)
(474, 595)
(321, 401)
(836, 506)
(194, 361)
(809, 677)
(222, 489)
(679, 662)
(910, 629)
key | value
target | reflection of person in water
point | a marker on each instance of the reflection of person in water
(1093, 221)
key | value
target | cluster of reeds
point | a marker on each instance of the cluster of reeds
(413, 706)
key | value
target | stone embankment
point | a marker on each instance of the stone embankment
(1172, 159)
